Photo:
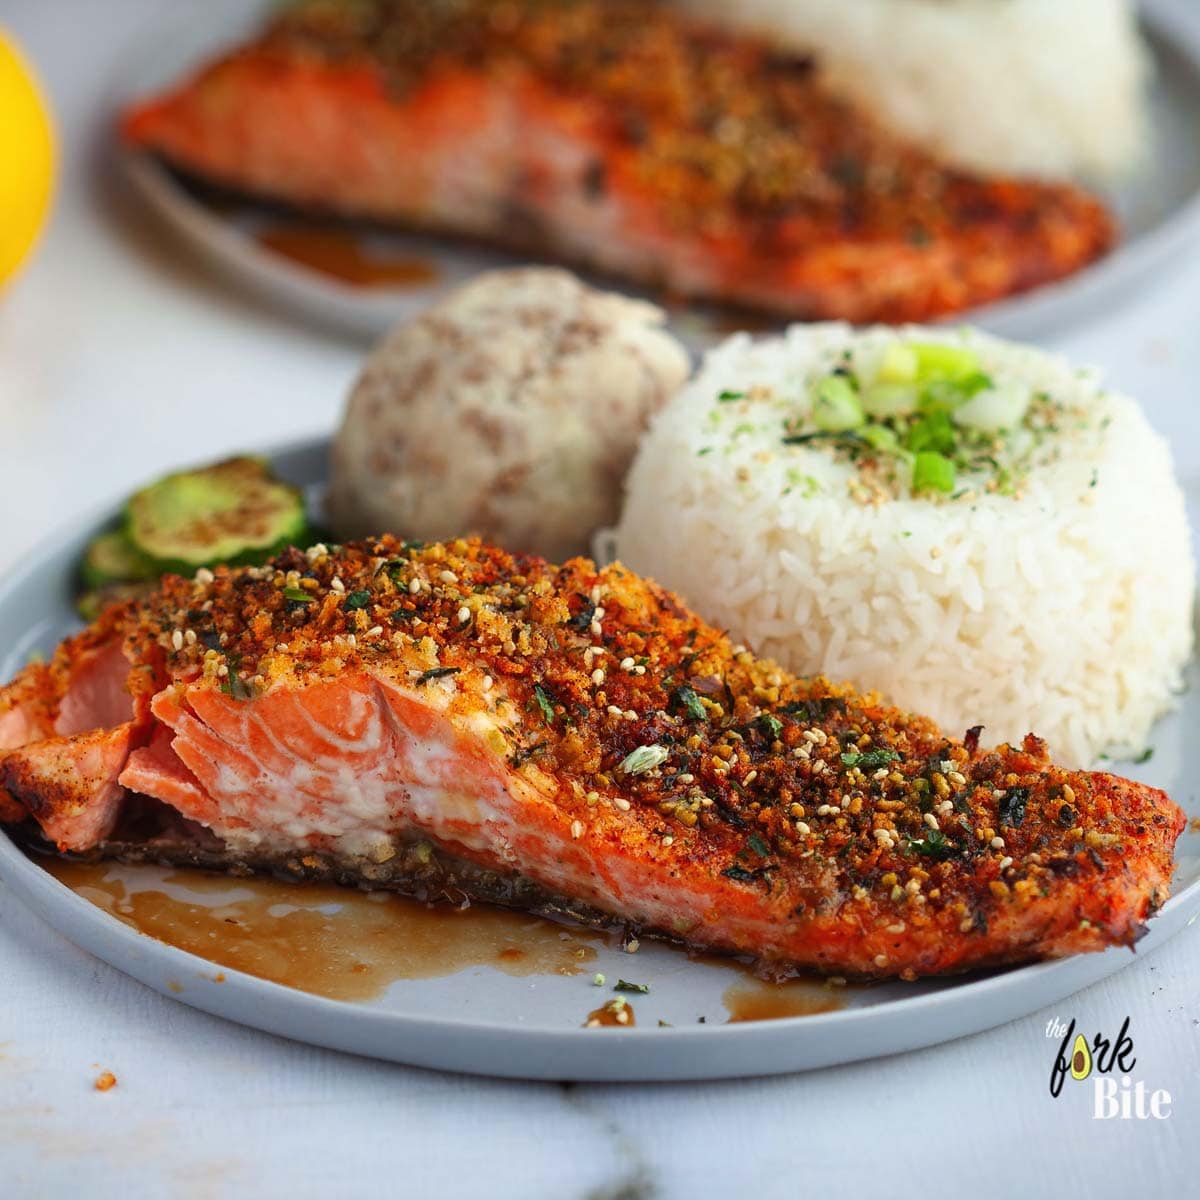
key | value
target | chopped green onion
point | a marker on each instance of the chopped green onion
(934, 431)
(932, 472)
(728, 397)
(938, 361)
(898, 365)
(298, 595)
(644, 758)
(880, 437)
(836, 406)
(883, 399)
(1001, 406)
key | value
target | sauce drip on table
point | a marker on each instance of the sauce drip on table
(340, 253)
(320, 938)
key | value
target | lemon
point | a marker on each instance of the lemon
(26, 158)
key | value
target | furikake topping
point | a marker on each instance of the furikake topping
(640, 722)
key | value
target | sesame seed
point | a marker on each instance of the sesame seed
(177, 640)
(751, 776)
(966, 925)
(595, 629)
(190, 637)
(374, 631)
(598, 615)
(1068, 793)
(626, 664)
(898, 927)
(223, 670)
(447, 577)
(639, 670)
(614, 711)
(997, 843)
(577, 829)
(802, 827)
(630, 715)
(931, 821)
(622, 804)
(631, 947)
(204, 575)
(881, 960)
(668, 840)
(337, 584)
(488, 683)
(597, 676)
(1006, 862)
(686, 777)
(414, 586)
(595, 594)
(464, 615)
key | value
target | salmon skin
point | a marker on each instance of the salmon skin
(451, 721)
(618, 136)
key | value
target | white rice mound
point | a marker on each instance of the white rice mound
(1043, 87)
(1065, 609)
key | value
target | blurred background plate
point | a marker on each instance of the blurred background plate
(484, 1021)
(1159, 210)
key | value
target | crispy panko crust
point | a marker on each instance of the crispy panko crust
(620, 136)
(822, 827)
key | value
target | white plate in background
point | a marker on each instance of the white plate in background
(1159, 210)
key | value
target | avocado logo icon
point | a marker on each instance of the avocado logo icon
(1081, 1059)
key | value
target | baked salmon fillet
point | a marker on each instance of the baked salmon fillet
(618, 136)
(452, 722)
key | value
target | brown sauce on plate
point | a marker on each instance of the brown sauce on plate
(324, 939)
(616, 1014)
(350, 945)
(340, 253)
(757, 1000)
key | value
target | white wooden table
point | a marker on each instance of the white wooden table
(120, 356)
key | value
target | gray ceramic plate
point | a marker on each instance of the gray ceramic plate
(483, 1021)
(1159, 210)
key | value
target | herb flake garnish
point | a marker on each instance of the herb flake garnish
(298, 595)
(644, 758)
(755, 842)
(934, 845)
(687, 697)
(356, 600)
(739, 873)
(544, 703)
(1012, 806)
(870, 759)
(623, 985)
(772, 726)
(436, 673)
